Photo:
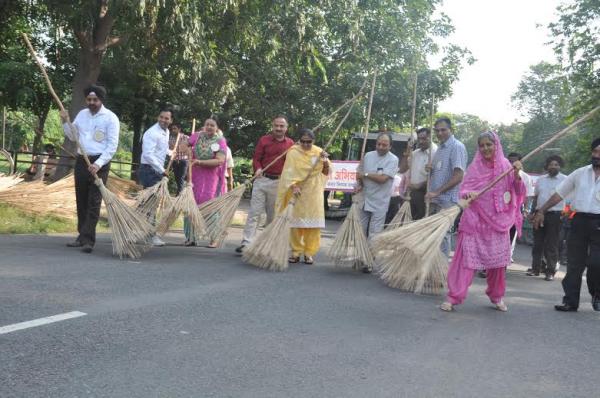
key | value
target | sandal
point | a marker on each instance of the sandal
(308, 260)
(294, 259)
(212, 245)
(446, 306)
(500, 306)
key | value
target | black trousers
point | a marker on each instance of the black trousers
(88, 199)
(180, 170)
(417, 203)
(583, 250)
(545, 243)
(393, 207)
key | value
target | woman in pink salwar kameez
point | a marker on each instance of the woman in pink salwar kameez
(483, 233)
(208, 168)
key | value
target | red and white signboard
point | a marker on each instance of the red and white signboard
(343, 176)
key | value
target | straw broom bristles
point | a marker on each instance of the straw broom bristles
(126, 225)
(262, 253)
(219, 212)
(350, 246)
(402, 217)
(184, 203)
(9, 181)
(129, 226)
(154, 199)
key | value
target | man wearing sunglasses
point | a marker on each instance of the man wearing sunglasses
(264, 188)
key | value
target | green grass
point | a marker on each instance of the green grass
(15, 221)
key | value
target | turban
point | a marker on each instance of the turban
(98, 91)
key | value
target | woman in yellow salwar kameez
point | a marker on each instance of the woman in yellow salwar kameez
(303, 177)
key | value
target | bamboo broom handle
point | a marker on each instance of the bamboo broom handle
(364, 145)
(173, 154)
(56, 99)
(537, 150)
(428, 201)
(191, 155)
(414, 106)
(351, 100)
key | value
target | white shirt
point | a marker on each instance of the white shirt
(527, 180)
(584, 188)
(418, 161)
(396, 185)
(545, 187)
(229, 162)
(98, 134)
(155, 146)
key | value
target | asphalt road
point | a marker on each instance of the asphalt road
(196, 322)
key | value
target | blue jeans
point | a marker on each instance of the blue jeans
(147, 176)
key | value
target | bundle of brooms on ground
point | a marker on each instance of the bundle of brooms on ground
(270, 249)
(57, 198)
(411, 255)
(127, 227)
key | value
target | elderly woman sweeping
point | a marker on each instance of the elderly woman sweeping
(208, 167)
(304, 175)
(483, 233)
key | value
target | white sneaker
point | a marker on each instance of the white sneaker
(156, 241)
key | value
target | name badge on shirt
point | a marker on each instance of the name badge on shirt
(215, 147)
(380, 170)
(507, 197)
(99, 135)
(313, 160)
(438, 165)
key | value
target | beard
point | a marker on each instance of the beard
(595, 162)
(553, 172)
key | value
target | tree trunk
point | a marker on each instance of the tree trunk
(93, 41)
(136, 147)
(38, 140)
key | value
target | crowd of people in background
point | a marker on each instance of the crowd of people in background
(432, 177)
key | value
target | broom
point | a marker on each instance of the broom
(404, 214)
(184, 203)
(350, 244)
(416, 245)
(270, 250)
(157, 197)
(126, 225)
(219, 212)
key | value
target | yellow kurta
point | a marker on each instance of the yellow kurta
(308, 211)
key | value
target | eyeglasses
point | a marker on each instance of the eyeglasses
(306, 141)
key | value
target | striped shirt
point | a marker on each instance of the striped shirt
(450, 155)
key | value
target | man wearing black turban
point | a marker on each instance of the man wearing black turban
(583, 244)
(97, 130)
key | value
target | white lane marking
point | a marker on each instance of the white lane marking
(40, 321)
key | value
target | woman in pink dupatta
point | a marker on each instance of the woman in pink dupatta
(483, 233)
(208, 168)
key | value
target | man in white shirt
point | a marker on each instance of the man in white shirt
(546, 237)
(155, 147)
(375, 178)
(419, 159)
(97, 130)
(583, 186)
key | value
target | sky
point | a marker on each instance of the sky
(504, 38)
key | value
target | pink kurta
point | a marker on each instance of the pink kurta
(207, 180)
